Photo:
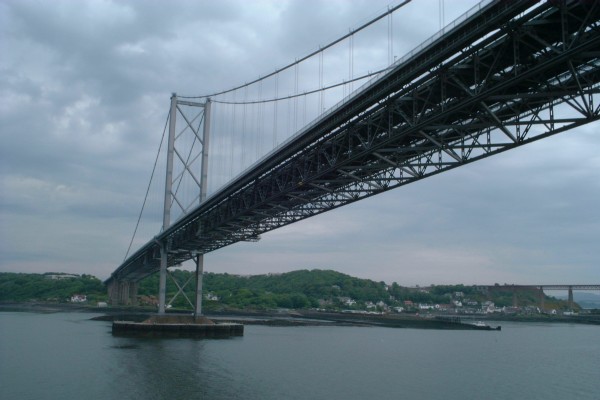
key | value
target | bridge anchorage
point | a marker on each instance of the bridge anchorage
(505, 74)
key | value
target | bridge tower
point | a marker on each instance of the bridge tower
(200, 116)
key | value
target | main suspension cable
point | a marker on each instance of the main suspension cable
(304, 93)
(148, 189)
(320, 50)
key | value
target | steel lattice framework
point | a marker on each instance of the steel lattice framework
(512, 73)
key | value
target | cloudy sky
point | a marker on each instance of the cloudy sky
(85, 87)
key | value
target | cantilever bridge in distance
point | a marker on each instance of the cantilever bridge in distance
(540, 289)
(505, 74)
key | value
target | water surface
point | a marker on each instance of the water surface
(68, 356)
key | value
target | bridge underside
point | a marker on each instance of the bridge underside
(507, 76)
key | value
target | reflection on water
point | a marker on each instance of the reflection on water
(60, 356)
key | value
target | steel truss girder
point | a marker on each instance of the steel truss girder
(535, 74)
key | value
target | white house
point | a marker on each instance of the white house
(348, 301)
(212, 297)
(78, 298)
(61, 276)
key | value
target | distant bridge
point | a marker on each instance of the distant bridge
(506, 74)
(543, 287)
(540, 288)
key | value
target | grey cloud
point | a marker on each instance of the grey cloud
(85, 93)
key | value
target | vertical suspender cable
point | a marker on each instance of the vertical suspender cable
(390, 38)
(289, 118)
(304, 111)
(320, 83)
(244, 127)
(351, 62)
(296, 67)
(275, 103)
(259, 122)
(231, 132)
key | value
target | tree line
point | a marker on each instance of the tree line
(295, 290)
(52, 287)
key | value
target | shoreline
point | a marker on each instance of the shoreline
(303, 317)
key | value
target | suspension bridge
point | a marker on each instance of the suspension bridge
(502, 75)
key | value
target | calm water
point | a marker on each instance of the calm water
(67, 356)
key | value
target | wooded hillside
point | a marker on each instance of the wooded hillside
(295, 290)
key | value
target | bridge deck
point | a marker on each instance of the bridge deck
(491, 83)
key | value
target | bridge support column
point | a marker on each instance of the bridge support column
(113, 292)
(203, 187)
(542, 299)
(162, 283)
(133, 292)
(570, 298)
(199, 275)
(124, 293)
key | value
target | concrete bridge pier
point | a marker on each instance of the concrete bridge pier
(199, 274)
(133, 293)
(542, 299)
(162, 282)
(113, 298)
(571, 298)
(123, 293)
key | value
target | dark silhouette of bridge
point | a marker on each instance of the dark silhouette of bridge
(506, 74)
(514, 289)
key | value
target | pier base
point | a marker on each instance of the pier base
(177, 326)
